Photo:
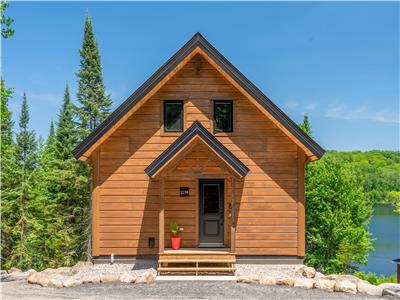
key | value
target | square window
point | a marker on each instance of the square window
(223, 116)
(173, 116)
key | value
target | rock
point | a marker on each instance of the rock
(71, 281)
(369, 289)
(388, 292)
(286, 281)
(128, 278)
(90, 279)
(267, 280)
(81, 266)
(306, 283)
(319, 275)
(3, 272)
(13, 269)
(108, 278)
(145, 278)
(55, 282)
(14, 276)
(325, 284)
(39, 278)
(249, 278)
(305, 271)
(345, 286)
(350, 278)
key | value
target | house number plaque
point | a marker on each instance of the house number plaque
(184, 191)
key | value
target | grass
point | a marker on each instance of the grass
(375, 279)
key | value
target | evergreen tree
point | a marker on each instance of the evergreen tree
(66, 135)
(50, 146)
(306, 126)
(94, 103)
(5, 22)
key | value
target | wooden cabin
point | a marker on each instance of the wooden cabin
(200, 145)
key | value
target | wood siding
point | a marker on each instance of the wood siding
(125, 212)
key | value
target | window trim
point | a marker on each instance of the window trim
(165, 130)
(217, 131)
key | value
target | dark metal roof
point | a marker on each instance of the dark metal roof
(197, 130)
(198, 41)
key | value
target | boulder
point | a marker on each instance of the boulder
(345, 286)
(81, 266)
(388, 292)
(59, 271)
(306, 283)
(350, 278)
(392, 289)
(145, 278)
(305, 271)
(89, 278)
(71, 281)
(249, 278)
(55, 282)
(109, 278)
(13, 269)
(267, 280)
(39, 278)
(369, 289)
(15, 276)
(325, 284)
(3, 272)
(319, 275)
(128, 277)
(286, 281)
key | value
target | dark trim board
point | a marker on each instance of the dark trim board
(196, 129)
(198, 41)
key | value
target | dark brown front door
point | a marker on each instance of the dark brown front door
(211, 213)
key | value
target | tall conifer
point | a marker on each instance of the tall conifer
(94, 102)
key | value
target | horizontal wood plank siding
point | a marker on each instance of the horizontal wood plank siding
(266, 200)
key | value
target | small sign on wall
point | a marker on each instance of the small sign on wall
(184, 191)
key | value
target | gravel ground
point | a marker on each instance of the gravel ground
(168, 290)
(268, 270)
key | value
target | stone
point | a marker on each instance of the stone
(59, 271)
(392, 289)
(39, 278)
(325, 284)
(145, 278)
(305, 271)
(306, 283)
(286, 281)
(249, 278)
(345, 286)
(88, 278)
(13, 269)
(109, 278)
(55, 282)
(350, 278)
(128, 277)
(81, 266)
(15, 276)
(71, 281)
(388, 292)
(319, 275)
(267, 280)
(369, 289)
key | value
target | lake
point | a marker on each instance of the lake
(385, 229)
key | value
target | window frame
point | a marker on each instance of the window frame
(217, 131)
(164, 119)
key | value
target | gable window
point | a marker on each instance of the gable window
(173, 116)
(223, 116)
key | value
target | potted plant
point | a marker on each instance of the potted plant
(175, 238)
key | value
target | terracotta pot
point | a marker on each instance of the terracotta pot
(176, 242)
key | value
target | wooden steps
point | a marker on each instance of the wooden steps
(196, 261)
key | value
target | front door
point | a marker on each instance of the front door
(211, 213)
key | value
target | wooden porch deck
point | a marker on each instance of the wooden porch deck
(197, 261)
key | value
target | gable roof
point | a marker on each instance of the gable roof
(196, 130)
(201, 45)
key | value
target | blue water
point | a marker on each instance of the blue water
(385, 229)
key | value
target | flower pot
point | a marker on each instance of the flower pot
(176, 242)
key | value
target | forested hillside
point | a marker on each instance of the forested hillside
(379, 171)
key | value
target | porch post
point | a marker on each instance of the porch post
(233, 211)
(161, 218)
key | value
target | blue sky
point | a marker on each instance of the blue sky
(336, 61)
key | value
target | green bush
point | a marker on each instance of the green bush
(375, 279)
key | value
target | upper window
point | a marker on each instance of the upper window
(173, 116)
(223, 116)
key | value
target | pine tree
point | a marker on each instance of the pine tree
(26, 162)
(306, 126)
(66, 134)
(94, 103)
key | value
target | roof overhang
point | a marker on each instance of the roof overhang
(194, 132)
(198, 45)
